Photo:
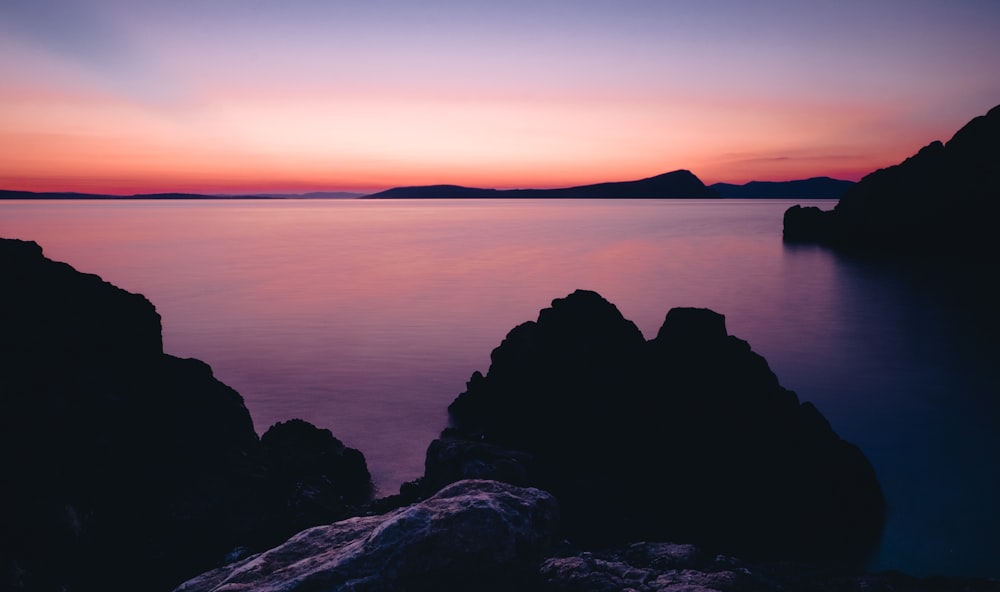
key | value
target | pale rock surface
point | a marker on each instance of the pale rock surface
(473, 534)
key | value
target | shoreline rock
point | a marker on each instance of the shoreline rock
(125, 464)
(471, 535)
(943, 200)
(688, 436)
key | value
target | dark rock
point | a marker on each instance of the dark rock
(122, 464)
(943, 200)
(453, 459)
(665, 567)
(686, 437)
(808, 224)
(314, 478)
(473, 535)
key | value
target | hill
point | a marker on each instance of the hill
(812, 188)
(675, 184)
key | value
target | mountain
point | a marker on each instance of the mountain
(943, 199)
(675, 184)
(812, 188)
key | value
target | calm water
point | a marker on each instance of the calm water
(368, 317)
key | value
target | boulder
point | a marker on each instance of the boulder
(472, 535)
(312, 476)
(688, 436)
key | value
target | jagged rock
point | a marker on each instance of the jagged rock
(944, 199)
(665, 567)
(121, 464)
(472, 535)
(313, 478)
(451, 459)
(688, 436)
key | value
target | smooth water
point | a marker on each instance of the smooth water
(367, 318)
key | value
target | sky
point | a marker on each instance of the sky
(236, 96)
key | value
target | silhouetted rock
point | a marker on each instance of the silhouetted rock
(314, 478)
(812, 188)
(686, 437)
(944, 199)
(473, 535)
(675, 184)
(454, 459)
(122, 464)
(808, 224)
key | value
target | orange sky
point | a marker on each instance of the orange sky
(121, 99)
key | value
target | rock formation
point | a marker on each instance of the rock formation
(685, 437)
(473, 535)
(122, 464)
(313, 478)
(667, 567)
(491, 536)
(944, 199)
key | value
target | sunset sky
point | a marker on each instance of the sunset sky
(217, 96)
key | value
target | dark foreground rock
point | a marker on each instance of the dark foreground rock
(943, 200)
(479, 535)
(687, 437)
(122, 464)
(667, 567)
(473, 535)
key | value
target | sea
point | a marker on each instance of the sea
(367, 317)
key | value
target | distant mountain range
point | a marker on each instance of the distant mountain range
(815, 188)
(675, 184)
(679, 183)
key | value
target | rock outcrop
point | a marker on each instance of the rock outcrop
(312, 476)
(472, 535)
(667, 567)
(122, 464)
(687, 437)
(943, 200)
(490, 536)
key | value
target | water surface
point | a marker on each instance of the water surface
(367, 318)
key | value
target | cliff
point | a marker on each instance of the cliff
(943, 199)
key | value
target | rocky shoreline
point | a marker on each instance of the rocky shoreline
(566, 466)
(942, 201)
